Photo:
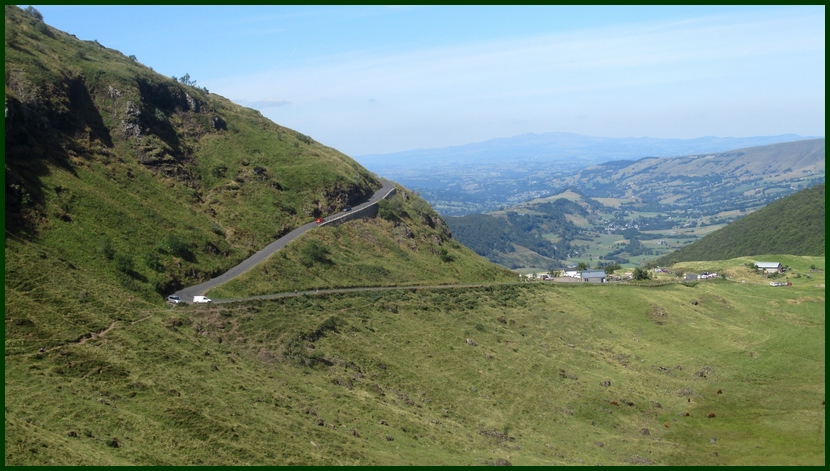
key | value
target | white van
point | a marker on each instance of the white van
(201, 299)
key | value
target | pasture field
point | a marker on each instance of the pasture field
(532, 374)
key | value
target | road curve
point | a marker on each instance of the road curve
(187, 294)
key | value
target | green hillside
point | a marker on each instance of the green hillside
(122, 185)
(409, 244)
(792, 225)
(390, 378)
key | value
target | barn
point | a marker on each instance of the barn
(593, 276)
(769, 267)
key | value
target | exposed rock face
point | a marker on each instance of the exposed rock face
(340, 196)
(131, 123)
(126, 116)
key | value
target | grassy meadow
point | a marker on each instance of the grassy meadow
(533, 374)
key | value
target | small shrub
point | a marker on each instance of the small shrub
(391, 209)
(445, 255)
(105, 248)
(174, 245)
(153, 262)
(124, 263)
(217, 229)
(385, 209)
(313, 252)
(43, 29)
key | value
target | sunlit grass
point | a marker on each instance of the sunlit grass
(292, 378)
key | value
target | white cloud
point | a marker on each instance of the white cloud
(601, 72)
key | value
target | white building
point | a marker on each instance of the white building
(769, 267)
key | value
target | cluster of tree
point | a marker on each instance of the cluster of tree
(609, 267)
(488, 235)
(559, 208)
(641, 274)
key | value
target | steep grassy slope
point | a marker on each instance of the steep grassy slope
(101, 152)
(791, 225)
(409, 244)
(123, 185)
(390, 378)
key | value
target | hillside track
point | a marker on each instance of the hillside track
(424, 287)
(187, 294)
(360, 289)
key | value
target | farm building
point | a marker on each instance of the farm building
(593, 276)
(769, 267)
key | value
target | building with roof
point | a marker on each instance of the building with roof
(593, 276)
(770, 267)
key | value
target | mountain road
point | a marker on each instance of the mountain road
(187, 294)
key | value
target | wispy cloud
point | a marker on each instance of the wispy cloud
(672, 50)
(608, 73)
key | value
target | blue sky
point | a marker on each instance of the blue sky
(375, 79)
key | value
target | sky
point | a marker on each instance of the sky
(381, 79)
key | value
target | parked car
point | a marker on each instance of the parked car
(201, 300)
(174, 299)
(320, 221)
(347, 208)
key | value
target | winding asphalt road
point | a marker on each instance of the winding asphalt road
(187, 294)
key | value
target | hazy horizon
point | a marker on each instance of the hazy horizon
(375, 80)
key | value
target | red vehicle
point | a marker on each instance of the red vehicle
(320, 221)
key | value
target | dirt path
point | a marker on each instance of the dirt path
(95, 335)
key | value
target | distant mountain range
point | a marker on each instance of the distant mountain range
(486, 176)
(653, 199)
(736, 176)
(555, 146)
